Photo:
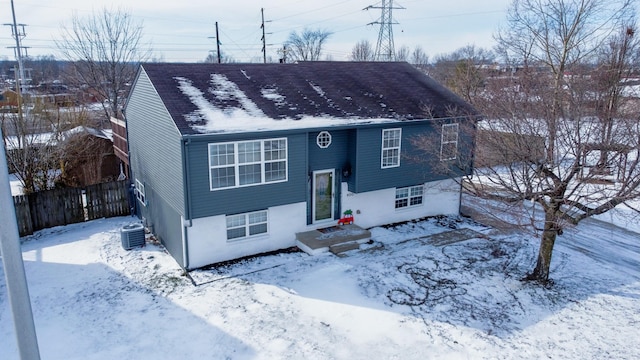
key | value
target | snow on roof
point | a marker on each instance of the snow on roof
(247, 116)
(215, 98)
(49, 138)
(14, 142)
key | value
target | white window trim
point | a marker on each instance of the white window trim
(323, 136)
(236, 164)
(409, 197)
(140, 194)
(247, 226)
(383, 148)
(444, 142)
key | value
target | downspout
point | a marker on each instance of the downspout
(186, 223)
(472, 159)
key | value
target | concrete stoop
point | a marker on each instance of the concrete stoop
(339, 249)
(339, 240)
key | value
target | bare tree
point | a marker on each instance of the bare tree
(44, 68)
(33, 142)
(212, 58)
(403, 53)
(306, 46)
(567, 137)
(419, 58)
(362, 51)
(104, 48)
(463, 71)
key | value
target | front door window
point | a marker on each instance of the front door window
(323, 195)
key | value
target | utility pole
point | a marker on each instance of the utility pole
(17, 289)
(217, 37)
(385, 47)
(10, 250)
(218, 44)
(284, 51)
(14, 273)
(264, 38)
(18, 34)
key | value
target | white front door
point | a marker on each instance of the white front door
(323, 195)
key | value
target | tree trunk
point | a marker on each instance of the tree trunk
(549, 234)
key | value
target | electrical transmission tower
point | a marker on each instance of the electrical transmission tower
(385, 48)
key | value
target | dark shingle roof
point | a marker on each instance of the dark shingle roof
(356, 90)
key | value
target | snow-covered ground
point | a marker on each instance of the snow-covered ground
(404, 296)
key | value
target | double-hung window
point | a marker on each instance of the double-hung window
(140, 195)
(409, 196)
(247, 163)
(246, 225)
(449, 142)
(275, 160)
(391, 148)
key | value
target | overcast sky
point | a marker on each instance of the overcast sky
(180, 30)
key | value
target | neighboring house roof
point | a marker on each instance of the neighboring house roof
(8, 98)
(86, 130)
(50, 138)
(211, 98)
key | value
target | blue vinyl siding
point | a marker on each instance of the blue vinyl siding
(352, 152)
(205, 202)
(336, 157)
(414, 165)
(333, 157)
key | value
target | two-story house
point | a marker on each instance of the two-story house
(231, 160)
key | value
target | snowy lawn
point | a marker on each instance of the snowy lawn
(404, 296)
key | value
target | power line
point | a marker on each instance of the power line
(310, 11)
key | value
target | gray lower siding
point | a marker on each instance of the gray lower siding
(154, 144)
(165, 223)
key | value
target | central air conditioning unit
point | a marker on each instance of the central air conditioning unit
(132, 235)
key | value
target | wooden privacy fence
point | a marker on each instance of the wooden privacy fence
(45, 209)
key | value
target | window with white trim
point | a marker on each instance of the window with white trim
(409, 196)
(242, 226)
(247, 163)
(140, 193)
(449, 142)
(391, 148)
(323, 139)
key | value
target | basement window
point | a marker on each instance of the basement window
(242, 226)
(409, 196)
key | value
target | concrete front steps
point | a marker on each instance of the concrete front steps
(336, 239)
